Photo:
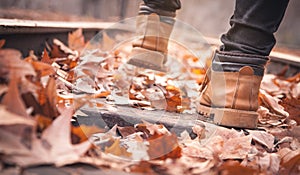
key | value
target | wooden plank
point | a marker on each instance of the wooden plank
(129, 116)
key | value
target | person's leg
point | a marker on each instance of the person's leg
(253, 25)
(154, 25)
(230, 91)
(160, 7)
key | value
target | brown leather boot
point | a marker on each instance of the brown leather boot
(229, 93)
(151, 47)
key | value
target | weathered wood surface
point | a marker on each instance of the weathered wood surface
(129, 116)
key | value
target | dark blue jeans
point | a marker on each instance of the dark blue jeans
(253, 23)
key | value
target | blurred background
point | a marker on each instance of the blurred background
(209, 17)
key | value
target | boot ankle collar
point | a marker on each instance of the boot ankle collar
(236, 57)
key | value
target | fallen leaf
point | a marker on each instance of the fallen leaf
(292, 106)
(60, 50)
(267, 162)
(173, 98)
(10, 62)
(117, 150)
(12, 99)
(54, 146)
(292, 166)
(137, 147)
(163, 146)
(8, 118)
(46, 58)
(268, 84)
(126, 130)
(290, 161)
(236, 148)
(272, 103)
(47, 99)
(263, 138)
(42, 122)
(42, 69)
(2, 42)
(76, 40)
(84, 132)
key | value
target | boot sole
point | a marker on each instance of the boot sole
(230, 117)
(146, 65)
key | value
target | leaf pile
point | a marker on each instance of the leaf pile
(40, 94)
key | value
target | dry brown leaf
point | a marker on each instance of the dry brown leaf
(292, 106)
(268, 84)
(2, 42)
(46, 58)
(58, 136)
(8, 118)
(10, 62)
(126, 130)
(173, 98)
(295, 132)
(286, 154)
(12, 99)
(60, 50)
(194, 149)
(42, 122)
(43, 69)
(163, 146)
(268, 163)
(156, 98)
(117, 150)
(151, 129)
(48, 97)
(272, 103)
(76, 40)
(294, 79)
(83, 133)
(236, 148)
(292, 166)
(263, 138)
(12, 141)
(54, 147)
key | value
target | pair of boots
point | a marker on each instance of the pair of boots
(229, 93)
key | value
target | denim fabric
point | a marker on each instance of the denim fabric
(167, 5)
(253, 25)
(160, 7)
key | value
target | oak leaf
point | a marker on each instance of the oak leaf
(2, 42)
(9, 118)
(12, 99)
(10, 62)
(117, 150)
(76, 40)
(263, 138)
(54, 146)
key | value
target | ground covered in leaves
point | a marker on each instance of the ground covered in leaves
(41, 94)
